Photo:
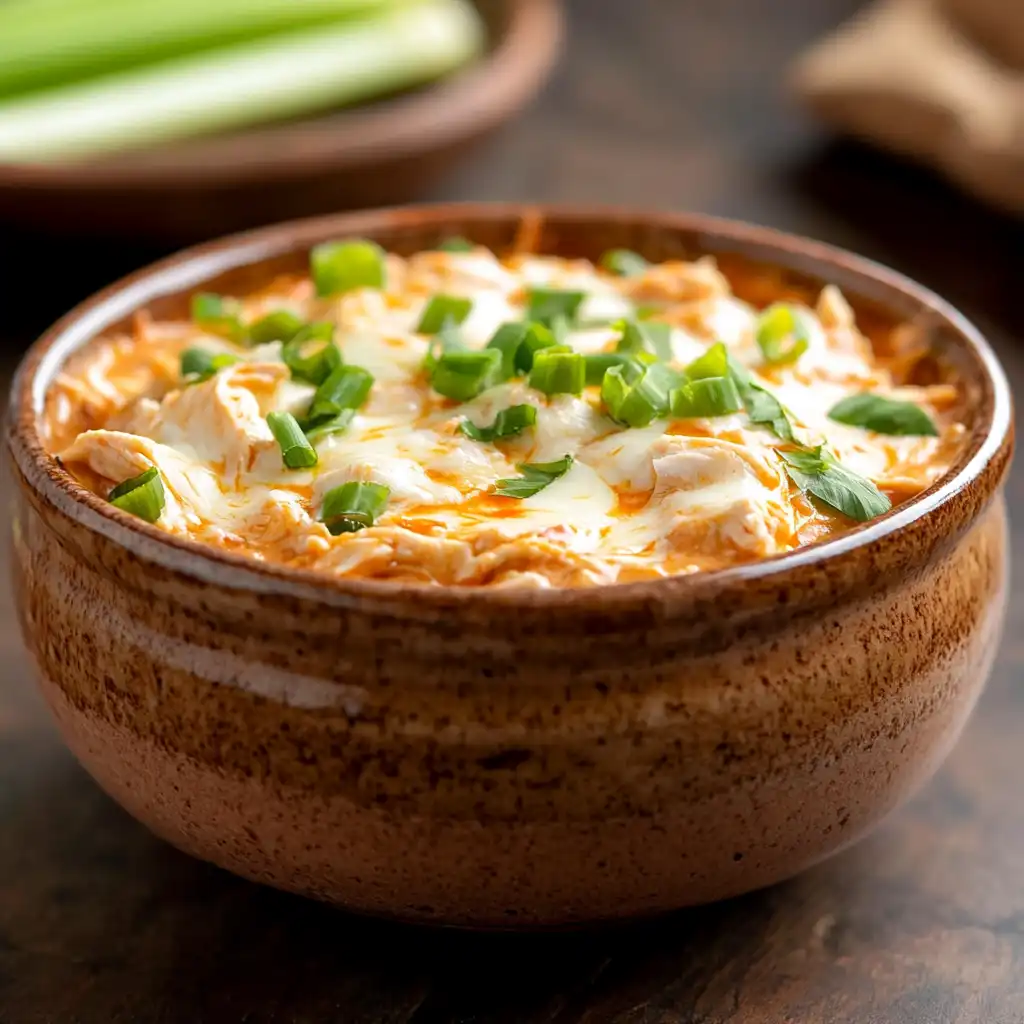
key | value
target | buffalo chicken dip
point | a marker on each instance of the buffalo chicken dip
(461, 418)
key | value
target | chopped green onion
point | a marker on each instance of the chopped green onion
(463, 375)
(624, 262)
(884, 416)
(217, 315)
(637, 393)
(455, 243)
(560, 328)
(142, 495)
(312, 355)
(509, 422)
(536, 476)
(547, 304)
(316, 431)
(537, 338)
(518, 342)
(558, 371)
(782, 334)
(341, 393)
(296, 451)
(713, 363)
(281, 325)
(342, 266)
(598, 363)
(353, 506)
(448, 339)
(763, 408)
(646, 336)
(197, 364)
(507, 340)
(817, 472)
(442, 310)
(706, 398)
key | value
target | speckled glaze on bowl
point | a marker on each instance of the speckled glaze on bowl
(507, 759)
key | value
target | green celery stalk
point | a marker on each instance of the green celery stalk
(44, 43)
(264, 80)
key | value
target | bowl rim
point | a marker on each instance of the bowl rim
(190, 268)
(479, 97)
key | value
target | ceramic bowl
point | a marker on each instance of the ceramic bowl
(501, 758)
(389, 151)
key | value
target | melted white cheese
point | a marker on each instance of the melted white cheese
(643, 500)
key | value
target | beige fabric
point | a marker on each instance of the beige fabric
(918, 77)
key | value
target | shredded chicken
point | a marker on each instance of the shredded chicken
(675, 496)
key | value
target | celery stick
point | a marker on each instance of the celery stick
(272, 78)
(44, 43)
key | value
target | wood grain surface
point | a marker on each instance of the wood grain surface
(668, 103)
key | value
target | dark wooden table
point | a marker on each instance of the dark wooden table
(659, 102)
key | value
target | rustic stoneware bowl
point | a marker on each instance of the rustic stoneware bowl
(502, 758)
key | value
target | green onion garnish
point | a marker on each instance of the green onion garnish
(353, 506)
(341, 266)
(646, 336)
(448, 339)
(816, 471)
(558, 371)
(312, 355)
(706, 397)
(637, 393)
(713, 363)
(197, 364)
(217, 315)
(463, 375)
(884, 416)
(517, 342)
(506, 340)
(598, 363)
(281, 325)
(296, 451)
(547, 304)
(344, 391)
(442, 310)
(782, 334)
(537, 338)
(624, 262)
(560, 328)
(763, 408)
(455, 243)
(536, 476)
(316, 432)
(142, 495)
(508, 423)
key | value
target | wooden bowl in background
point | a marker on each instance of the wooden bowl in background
(381, 153)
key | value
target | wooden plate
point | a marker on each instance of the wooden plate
(387, 152)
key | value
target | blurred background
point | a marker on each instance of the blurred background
(894, 128)
(130, 127)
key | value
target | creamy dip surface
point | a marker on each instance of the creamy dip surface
(463, 418)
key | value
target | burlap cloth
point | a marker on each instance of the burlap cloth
(938, 80)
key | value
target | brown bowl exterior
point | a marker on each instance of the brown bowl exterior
(387, 152)
(507, 759)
